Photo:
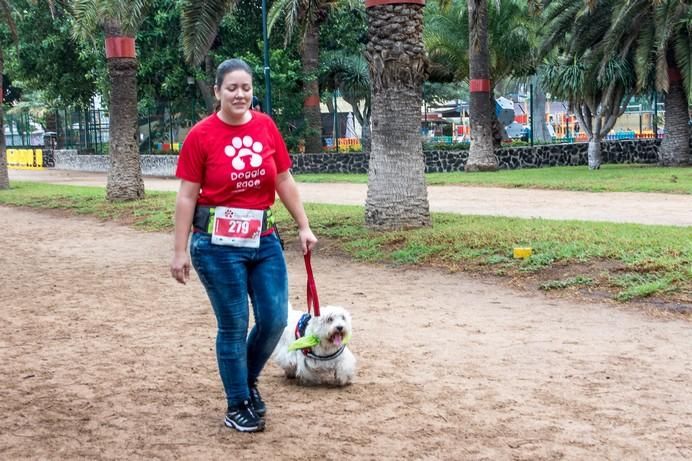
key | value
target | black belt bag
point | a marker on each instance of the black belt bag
(204, 217)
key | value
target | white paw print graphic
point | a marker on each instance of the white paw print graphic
(244, 147)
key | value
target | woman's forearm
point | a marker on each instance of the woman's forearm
(184, 211)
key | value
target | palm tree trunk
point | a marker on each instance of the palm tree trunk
(4, 174)
(206, 86)
(397, 195)
(675, 148)
(311, 106)
(124, 175)
(594, 153)
(481, 153)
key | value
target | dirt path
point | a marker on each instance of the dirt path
(104, 356)
(626, 207)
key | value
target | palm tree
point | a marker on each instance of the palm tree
(660, 32)
(7, 17)
(200, 21)
(119, 21)
(481, 153)
(397, 196)
(597, 82)
(306, 15)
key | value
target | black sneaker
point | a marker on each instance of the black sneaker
(243, 418)
(257, 402)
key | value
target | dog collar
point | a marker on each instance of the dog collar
(312, 355)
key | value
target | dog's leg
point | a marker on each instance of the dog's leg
(344, 371)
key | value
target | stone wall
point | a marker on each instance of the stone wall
(641, 151)
(152, 165)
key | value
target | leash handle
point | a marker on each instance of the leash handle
(313, 301)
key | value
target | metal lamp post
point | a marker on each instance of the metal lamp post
(267, 74)
(191, 83)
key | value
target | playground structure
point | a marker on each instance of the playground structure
(445, 126)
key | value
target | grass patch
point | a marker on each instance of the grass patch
(641, 285)
(640, 260)
(609, 178)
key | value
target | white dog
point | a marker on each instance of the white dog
(325, 359)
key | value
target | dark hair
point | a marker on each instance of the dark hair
(231, 65)
(256, 104)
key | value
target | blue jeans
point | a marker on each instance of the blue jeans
(231, 274)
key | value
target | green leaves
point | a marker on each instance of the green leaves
(92, 15)
(200, 21)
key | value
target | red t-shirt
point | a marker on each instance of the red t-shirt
(236, 165)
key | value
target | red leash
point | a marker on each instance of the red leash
(313, 301)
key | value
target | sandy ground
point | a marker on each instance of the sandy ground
(625, 207)
(104, 356)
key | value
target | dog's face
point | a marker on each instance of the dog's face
(333, 326)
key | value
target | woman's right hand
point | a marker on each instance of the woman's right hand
(180, 267)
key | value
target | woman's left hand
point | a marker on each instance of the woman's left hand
(307, 239)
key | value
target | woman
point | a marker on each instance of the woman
(231, 165)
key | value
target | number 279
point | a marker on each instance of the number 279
(239, 227)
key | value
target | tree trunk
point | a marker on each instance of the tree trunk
(207, 93)
(481, 153)
(125, 174)
(675, 146)
(206, 89)
(4, 174)
(311, 88)
(594, 153)
(397, 195)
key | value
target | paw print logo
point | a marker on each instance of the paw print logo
(241, 148)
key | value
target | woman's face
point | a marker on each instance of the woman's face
(235, 94)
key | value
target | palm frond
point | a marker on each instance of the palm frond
(617, 70)
(645, 56)
(91, 15)
(290, 11)
(88, 17)
(130, 14)
(347, 72)
(200, 21)
(663, 35)
(682, 52)
(558, 18)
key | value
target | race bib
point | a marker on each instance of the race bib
(237, 227)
